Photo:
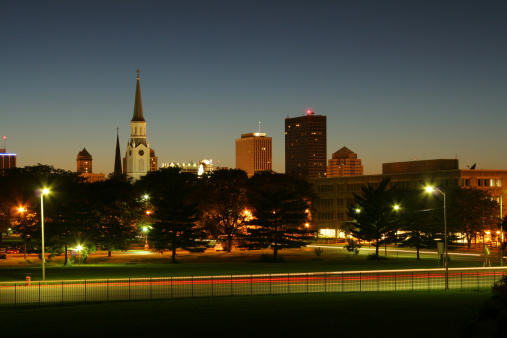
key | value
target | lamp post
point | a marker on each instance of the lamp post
(43, 192)
(431, 189)
(501, 229)
(22, 211)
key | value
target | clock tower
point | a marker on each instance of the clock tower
(137, 158)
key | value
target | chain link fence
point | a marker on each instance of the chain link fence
(106, 290)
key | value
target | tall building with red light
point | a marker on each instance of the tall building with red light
(254, 153)
(306, 146)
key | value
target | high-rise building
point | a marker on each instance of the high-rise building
(253, 153)
(305, 146)
(7, 160)
(344, 163)
(84, 162)
(139, 158)
(84, 167)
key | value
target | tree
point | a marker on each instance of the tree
(21, 186)
(115, 211)
(472, 210)
(373, 214)
(176, 210)
(280, 205)
(417, 220)
(226, 203)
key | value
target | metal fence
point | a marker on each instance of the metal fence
(104, 290)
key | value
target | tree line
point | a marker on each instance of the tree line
(176, 210)
(386, 214)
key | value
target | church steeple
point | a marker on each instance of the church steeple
(117, 159)
(138, 104)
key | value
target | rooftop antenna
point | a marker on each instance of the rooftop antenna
(259, 127)
(5, 141)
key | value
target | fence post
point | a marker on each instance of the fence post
(212, 282)
(461, 281)
(395, 280)
(16, 296)
(428, 279)
(85, 289)
(231, 285)
(342, 282)
(151, 288)
(288, 284)
(62, 291)
(360, 282)
(171, 287)
(129, 288)
(478, 287)
(251, 285)
(270, 284)
(39, 293)
(307, 282)
(192, 286)
(412, 280)
(378, 282)
(107, 289)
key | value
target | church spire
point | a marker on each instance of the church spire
(117, 159)
(138, 104)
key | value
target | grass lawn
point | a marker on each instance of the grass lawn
(145, 264)
(383, 314)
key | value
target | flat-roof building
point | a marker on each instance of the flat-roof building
(305, 146)
(334, 194)
(254, 153)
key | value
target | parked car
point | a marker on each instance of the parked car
(12, 250)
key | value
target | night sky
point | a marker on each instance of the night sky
(397, 80)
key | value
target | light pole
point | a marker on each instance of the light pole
(431, 189)
(43, 192)
(501, 229)
(22, 211)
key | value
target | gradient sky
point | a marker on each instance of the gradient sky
(397, 80)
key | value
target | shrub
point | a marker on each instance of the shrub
(375, 257)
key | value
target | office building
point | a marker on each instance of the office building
(253, 153)
(344, 163)
(334, 194)
(7, 160)
(305, 146)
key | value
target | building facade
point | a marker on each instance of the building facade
(254, 153)
(204, 166)
(7, 160)
(334, 194)
(84, 162)
(139, 158)
(344, 163)
(85, 169)
(306, 146)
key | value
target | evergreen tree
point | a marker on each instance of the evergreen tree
(176, 211)
(280, 205)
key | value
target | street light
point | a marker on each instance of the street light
(22, 211)
(43, 192)
(431, 189)
(501, 230)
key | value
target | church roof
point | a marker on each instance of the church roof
(138, 104)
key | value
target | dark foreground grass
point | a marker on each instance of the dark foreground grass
(386, 314)
(56, 271)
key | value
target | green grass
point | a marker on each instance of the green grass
(386, 314)
(55, 271)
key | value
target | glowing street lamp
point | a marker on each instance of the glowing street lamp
(43, 192)
(431, 189)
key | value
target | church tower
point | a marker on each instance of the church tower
(137, 158)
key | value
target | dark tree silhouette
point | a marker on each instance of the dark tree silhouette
(280, 205)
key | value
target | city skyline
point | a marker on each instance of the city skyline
(397, 81)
